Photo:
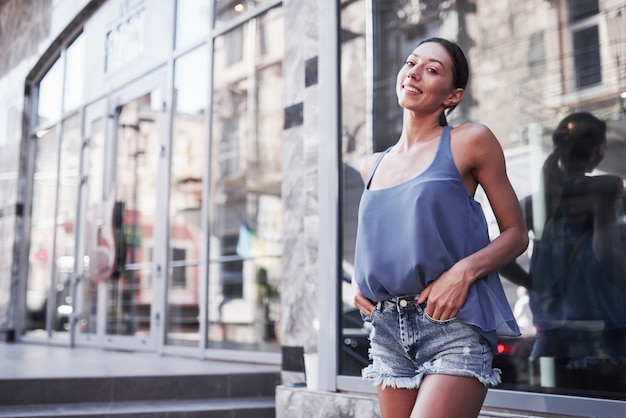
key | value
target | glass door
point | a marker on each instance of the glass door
(123, 229)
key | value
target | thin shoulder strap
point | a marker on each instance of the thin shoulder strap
(378, 160)
(445, 134)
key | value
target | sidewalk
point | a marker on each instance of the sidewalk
(29, 360)
(44, 381)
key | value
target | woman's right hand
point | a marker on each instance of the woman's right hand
(362, 303)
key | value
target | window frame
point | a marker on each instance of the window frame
(576, 27)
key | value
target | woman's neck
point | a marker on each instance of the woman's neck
(417, 130)
(572, 168)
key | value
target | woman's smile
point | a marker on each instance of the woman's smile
(411, 89)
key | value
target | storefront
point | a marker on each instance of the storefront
(185, 175)
(117, 250)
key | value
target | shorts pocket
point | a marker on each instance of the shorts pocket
(369, 319)
(437, 321)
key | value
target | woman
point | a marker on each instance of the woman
(425, 270)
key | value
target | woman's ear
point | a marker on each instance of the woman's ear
(597, 154)
(454, 98)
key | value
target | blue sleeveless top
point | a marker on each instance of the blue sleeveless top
(409, 234)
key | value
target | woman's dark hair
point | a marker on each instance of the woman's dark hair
(578, 134)
(460, 69)
(574, 139)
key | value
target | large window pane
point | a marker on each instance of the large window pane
(50, 91)
(192, 21)
(74, 74)
(246, 167)
(54, 202)
(583, 351)
(41, 255)
(189, 146)
(69, 182)
(99, 234)
(356, 144)
(133, 217)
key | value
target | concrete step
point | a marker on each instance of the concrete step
(263, 407)
(237, 395)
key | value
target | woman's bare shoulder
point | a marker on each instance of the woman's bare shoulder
(606, 184)
(474, 143)
(368, 165)
(472, 131)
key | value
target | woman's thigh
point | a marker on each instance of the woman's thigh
(446, 396)
(396, 402)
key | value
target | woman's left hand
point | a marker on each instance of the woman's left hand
(445, 295)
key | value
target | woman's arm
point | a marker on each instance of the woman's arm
(513, 271)
(609, 192)
(480, 160)
(485, 164)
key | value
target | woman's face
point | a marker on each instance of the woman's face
(425, 81)
(597, 155)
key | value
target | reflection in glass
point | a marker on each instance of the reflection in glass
(577, 277)
(246, 207)
(355, 146)
(244, 308)
(580, 9)
(226, 10)
(69, 182)
(99, 235)
(370, 123)
(133, 218)
(41, 258)
(192, 21)
(51, 260)
(587, 56)
(189, 146)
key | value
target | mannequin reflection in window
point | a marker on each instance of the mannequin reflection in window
(577, 278)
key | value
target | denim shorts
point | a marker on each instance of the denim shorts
(406, 345)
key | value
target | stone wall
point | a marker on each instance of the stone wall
(299, 191)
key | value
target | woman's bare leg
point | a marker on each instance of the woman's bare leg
(396, 403)
(445, 396)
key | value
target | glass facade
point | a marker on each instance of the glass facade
(56, 178)
(40, 259)
(192, 21)
(189, 150)
(581, 352)
(97, 179)
(246, 177)
(97, 239)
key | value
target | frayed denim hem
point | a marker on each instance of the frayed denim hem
(394, 382)
(413, 382)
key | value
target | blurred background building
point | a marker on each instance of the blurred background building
(181, 176)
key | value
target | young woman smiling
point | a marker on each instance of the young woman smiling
(425, 268)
